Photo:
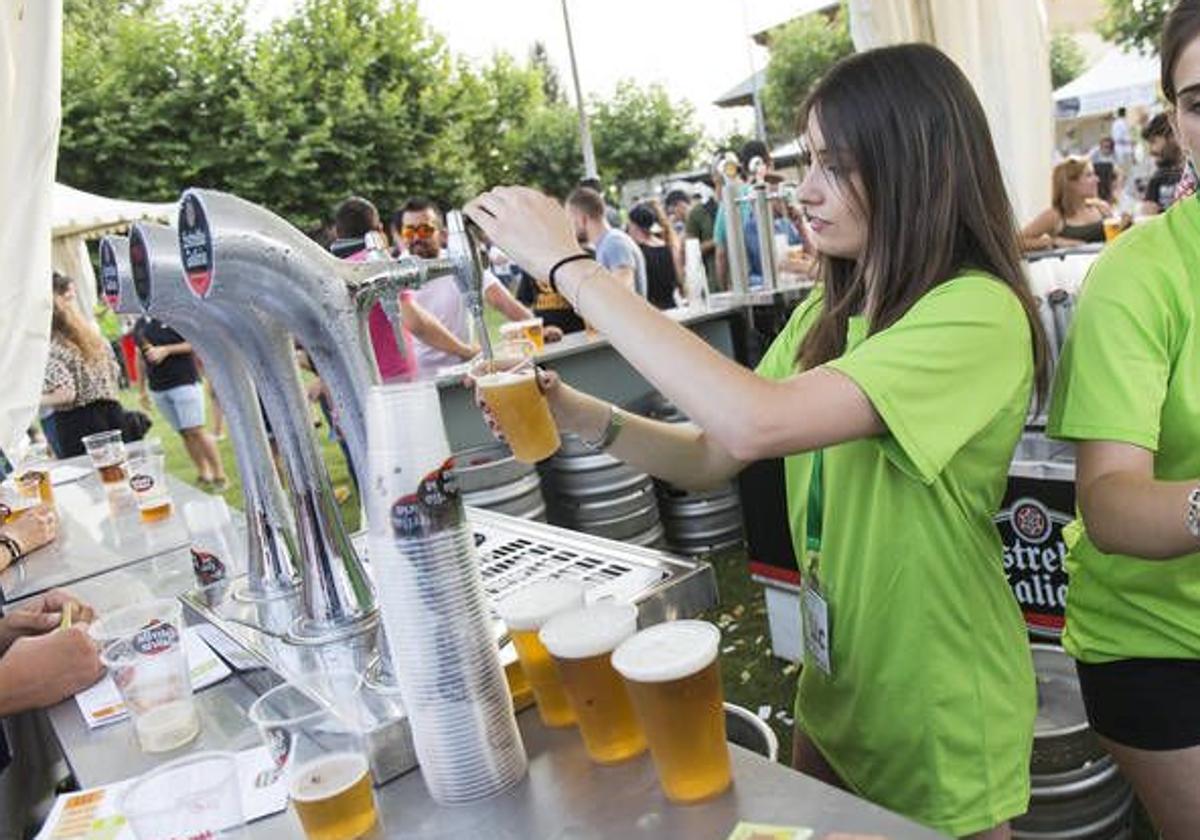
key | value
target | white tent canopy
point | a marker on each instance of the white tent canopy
(1118, 79)
(77, 213)
(76, 216)
(1003, 47)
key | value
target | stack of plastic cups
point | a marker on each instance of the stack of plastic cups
(433, 605)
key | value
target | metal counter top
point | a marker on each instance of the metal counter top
(95, 536)
(564, 795)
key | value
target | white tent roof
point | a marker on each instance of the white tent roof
(1118, 79)
(77, 213)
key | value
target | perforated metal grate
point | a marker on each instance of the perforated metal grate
(508, 562)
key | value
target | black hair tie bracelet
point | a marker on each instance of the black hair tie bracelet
(554, 268)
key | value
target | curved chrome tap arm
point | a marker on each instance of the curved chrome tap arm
(272, 547)
(463, 247)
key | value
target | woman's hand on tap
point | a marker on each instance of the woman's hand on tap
(532, 228)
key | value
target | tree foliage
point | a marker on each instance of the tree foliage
(1134, 24)
(801, 52)
(640, 132)
(1067, 60)
(343, 97)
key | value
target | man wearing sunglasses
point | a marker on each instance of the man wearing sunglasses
(423, 235)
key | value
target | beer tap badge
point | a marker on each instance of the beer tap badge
(139, 266)
(435, 506)
(195, 245)
(110, 283)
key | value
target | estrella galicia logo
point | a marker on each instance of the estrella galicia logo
(110, 281)
(195, 246)
(1031, 520)
(156, 637)
(435, 506)
(208, 567)
(141, 482)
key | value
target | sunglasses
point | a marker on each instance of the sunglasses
(421, 231)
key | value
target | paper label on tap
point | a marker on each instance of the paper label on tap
(138, 266)
(110, 285)
(195, 244)
(435, 506)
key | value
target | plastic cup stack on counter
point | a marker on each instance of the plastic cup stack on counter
(432, 601)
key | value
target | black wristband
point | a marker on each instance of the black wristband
(554, 268)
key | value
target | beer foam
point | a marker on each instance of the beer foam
(591, 631)
(532, 606)
(501, 378)
(326, 777)
(668, 651)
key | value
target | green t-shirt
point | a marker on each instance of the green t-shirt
(1130, 372)
(930, 707)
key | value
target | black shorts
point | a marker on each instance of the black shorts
(1148, 704)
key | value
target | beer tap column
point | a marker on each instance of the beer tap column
(258, 303)
(725, 172)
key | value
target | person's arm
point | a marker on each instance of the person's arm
(1038, 235)
(41, 614)
(38, 672)
(624, 276)
(746, 415)
(59, 397)
(501, 299)
(143, 378)
(680, 453)
(425, 326)
(1125, 509)
(158, 353)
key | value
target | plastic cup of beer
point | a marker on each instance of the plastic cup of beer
(525, 612)
(1112, 228)
(142, 646)
(319, 746)
(531, 330)
(148, 480)
(581, 643)
(198, 795)
(508, 387)
(674, 680)
(33, 475)
(15, 502)
(107, 452)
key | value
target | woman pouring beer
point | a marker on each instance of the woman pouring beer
(896, 395)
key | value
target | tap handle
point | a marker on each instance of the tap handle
(464, 249)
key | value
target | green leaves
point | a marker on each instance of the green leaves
(343, 97)
(801, 52)
(1134, 24)
(1067, 59)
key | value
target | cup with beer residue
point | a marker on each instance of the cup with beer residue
(531, 330)
(33, 474)
(509, 388)
(148, 480)
(107, 451)
(525, 612)
(318, 745)
(142, 647)
(198, 795)
(674, 680)
(15, 502)
(581, 643)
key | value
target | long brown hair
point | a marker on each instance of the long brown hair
(1064, 172)
(906, 119)
(68, 325)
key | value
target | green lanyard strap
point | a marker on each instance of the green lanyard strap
(816, 503)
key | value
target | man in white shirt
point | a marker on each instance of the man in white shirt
(1122, 140)
(423, 234)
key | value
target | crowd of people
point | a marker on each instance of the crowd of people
(1091, 191)
(895, 396)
